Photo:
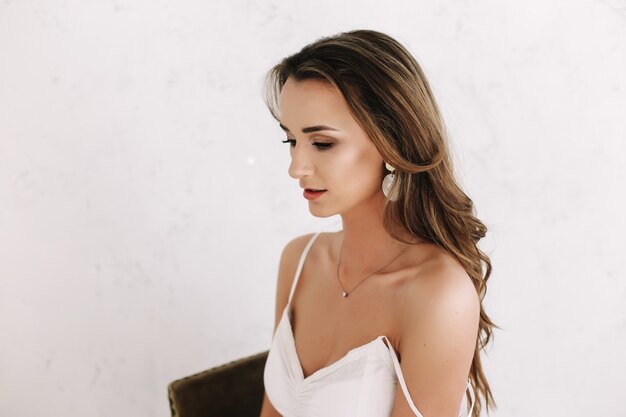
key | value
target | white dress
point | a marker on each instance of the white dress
(362, 383)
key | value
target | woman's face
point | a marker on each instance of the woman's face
(337, 157)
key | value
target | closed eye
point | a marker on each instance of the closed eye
(319, 145)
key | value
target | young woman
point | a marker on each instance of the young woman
(385, 317)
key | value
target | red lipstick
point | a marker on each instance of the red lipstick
(312, 195)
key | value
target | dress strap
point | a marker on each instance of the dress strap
(405, 390)
(301, 263)
(472, 396)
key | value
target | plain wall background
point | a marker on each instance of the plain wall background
(144, 194)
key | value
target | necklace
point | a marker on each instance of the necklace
(345, 293)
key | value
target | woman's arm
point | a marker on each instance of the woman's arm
(267, 409)
(286, 273)
(437, 343)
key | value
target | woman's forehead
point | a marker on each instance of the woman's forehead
(313, 101)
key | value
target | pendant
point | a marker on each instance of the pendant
(345, 294)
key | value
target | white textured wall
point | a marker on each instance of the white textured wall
(144, 195)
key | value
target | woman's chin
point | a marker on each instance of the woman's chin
(321, 212)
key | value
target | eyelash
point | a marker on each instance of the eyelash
(320, 145)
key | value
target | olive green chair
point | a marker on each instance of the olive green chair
(232, 389)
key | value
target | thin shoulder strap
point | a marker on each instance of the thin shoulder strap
(405, 390)
(300, 264)
(472, 396)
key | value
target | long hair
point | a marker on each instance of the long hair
(389, 96)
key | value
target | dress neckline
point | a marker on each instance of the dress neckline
(329, 368)
(352, 353)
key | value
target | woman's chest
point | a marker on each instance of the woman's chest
(326, 325)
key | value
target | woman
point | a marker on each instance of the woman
(385, 317)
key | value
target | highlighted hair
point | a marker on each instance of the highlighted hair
(388, 94)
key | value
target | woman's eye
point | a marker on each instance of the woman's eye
(319, 145)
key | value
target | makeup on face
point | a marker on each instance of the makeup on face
(333, 150)
(312, 195)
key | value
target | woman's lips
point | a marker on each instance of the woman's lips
(312, 195)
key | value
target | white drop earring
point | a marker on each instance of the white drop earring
(388, 183)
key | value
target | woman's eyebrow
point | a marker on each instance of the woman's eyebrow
(309, 129)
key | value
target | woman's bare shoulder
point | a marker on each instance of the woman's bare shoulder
(288, 265)
(440, 283)
(294, 248)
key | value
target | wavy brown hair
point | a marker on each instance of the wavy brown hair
(389, 96)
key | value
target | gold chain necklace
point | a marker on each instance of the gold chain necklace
(344, 292)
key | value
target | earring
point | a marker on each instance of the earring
(388, 182)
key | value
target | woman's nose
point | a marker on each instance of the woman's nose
(301, 164)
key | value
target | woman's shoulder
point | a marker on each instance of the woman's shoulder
(289, 258)
(440, 323)
(295, 246)
(287, 267)
(440, 285)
